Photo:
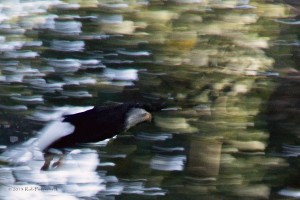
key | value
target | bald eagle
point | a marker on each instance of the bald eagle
(93, 125)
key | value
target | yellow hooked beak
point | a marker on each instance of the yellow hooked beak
(148, 117)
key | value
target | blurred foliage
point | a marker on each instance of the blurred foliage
(209, 59)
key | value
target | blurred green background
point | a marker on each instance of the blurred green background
(214, 62)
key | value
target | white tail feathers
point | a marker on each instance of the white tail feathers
(53, 132)
(22, 153)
